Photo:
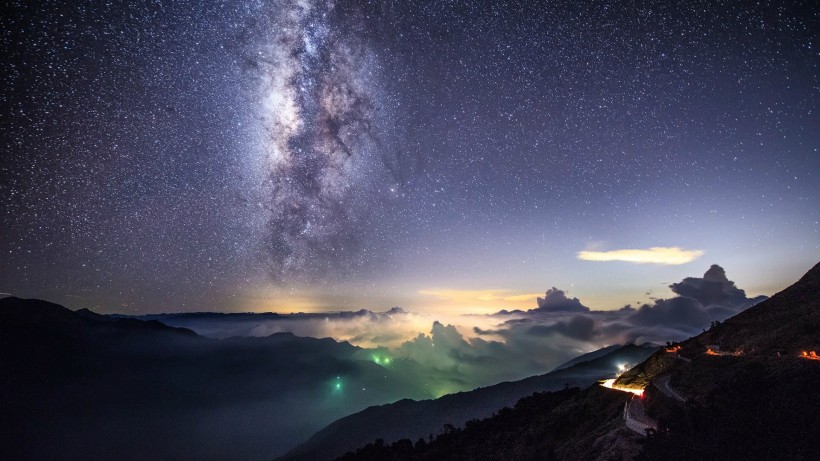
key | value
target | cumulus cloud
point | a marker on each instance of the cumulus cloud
(700, 300)
(560, 323)
(713, 288)
(680, 312)
(556, 300)
(654, 255)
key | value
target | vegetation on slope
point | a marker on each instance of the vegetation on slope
(759, 401)
(563, 425)
(762, 410)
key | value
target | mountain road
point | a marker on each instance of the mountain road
(662, 383)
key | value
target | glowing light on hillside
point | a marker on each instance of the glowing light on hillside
(622, 368)
(673, 349)
(810, 355)
(737, 353)
(381, 360)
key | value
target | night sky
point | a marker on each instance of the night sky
(440, 156)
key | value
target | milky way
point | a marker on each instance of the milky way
(318, 115)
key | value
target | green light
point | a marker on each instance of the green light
(387, 360)
(338, 385)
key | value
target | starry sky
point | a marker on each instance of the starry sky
(440, 156)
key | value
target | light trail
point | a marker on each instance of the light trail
(610, 384)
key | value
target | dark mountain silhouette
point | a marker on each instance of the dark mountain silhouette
(418, 419)
(225, 325)
(78, 385)
(590, 356)
(749, 394)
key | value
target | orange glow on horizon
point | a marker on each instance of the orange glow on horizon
(478, 301)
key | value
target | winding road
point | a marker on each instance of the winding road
(662, 383)
(635, 417)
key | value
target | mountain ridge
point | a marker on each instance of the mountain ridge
(81, 385)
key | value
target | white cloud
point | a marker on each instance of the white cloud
(654, 255)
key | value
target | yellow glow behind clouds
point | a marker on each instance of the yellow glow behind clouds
(654, 255)
(485, 301)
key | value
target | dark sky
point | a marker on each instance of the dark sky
(258, 155)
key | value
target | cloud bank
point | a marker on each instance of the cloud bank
(699, 301)
(461, 352)
(654, 255)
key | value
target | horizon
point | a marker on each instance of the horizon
(452, 303)
(559, 325)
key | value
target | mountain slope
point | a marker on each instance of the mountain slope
(751, 394)
(783, 326)
(408, 419)
(792, 315)
(588, 356)
(570, 424)
(756, 401)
